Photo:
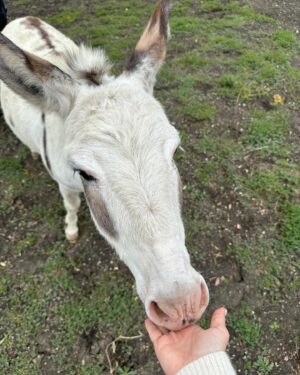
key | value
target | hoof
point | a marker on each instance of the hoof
(35, 156)
(72, 238)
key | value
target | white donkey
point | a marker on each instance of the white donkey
(109, 138)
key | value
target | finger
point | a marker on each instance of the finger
(153, 331)
(218, 318)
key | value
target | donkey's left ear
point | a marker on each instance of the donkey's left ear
(150, 51)
(36, 80)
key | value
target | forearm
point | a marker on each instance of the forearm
(212, 364)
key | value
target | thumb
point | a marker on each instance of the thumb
(218, 318)
(153, 331)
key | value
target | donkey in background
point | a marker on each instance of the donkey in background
(109, 138)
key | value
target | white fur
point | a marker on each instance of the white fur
(118, 133)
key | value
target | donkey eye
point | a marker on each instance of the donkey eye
(85, 176)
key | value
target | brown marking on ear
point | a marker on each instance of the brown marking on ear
(154, 39)
(98, 208)
(92, 77)
(37, 65)
(15, 55)
(135, 60)
(11, 57)
(36, 23)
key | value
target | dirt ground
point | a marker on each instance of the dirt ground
(62, 306)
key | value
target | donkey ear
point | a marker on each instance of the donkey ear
(35, 79)
(150, 51)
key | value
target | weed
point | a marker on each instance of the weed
(91, 370)
(274, 327)
(245, 326)
(263, 365)
(125, 371)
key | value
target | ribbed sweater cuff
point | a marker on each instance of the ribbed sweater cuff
(211, 364)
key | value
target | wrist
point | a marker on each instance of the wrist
(213, 363)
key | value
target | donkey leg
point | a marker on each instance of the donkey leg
(72, 204)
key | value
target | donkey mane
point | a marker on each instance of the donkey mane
(88, 65)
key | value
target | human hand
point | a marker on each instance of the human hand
(176, 350)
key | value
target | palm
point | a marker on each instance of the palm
(175, 350)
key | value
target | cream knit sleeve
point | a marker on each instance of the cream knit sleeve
(212, 364)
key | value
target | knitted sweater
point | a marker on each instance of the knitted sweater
(212, 364)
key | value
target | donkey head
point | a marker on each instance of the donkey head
(121, 143)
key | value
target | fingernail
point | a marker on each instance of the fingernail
(225, 311)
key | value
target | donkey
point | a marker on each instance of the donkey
(109, 138)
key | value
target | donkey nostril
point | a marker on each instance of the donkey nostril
(158, 312)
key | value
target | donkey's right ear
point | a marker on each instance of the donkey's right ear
(150, 51)
(35, 79)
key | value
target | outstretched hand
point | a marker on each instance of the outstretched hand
(175, 350)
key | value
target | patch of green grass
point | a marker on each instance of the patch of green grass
(277, 56)
(185, 24)
(107, 305)
(225, 44)
(4, 285)
(246, 327)
(267, 128)
(268, 72)
(192, 104)
(29, 241)
(284, 38)
(22, 2)
(22, 321)
(11, 167)
(66, 16)
(192, 60)
(207, 172)
(268, 260)
(230, 85)
(250, 59)
(200, 110)
(125, 371)
(53, 216)
(182, 8)
(76, 31)
(218, 156)
(272, 184)
(212, 6)
(219, 148)
(290, 226)
(250, 14)
(91, 370)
